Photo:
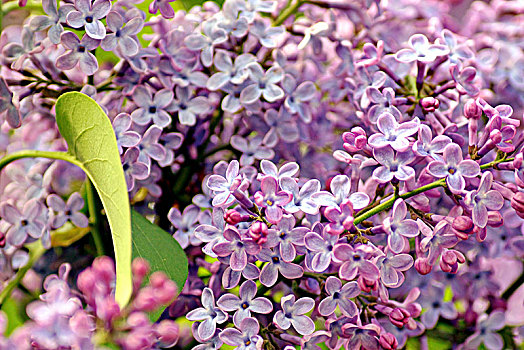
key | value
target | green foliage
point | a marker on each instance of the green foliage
(14, 311)
(92, 141)
(160, 249)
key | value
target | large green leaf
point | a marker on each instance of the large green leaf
(160, 249)
(92, 141)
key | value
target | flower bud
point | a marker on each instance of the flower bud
(399, 317)
(258, 231)
(517, 203)
(388, 341)
(355, 140)
(450, 259)
(2, 240)
(366, 285)
(168, 333)
(233, 217)
(462, 227)
(422, 266)
(472, 110)
(495, 219)
(429, 104)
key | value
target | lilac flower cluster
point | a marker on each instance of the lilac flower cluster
(350, 176)
(60, 319)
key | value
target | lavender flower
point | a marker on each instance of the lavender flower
(356, 261)
(188, 107)
(486, 332)
(205, 42)
(12, 115)
(54, 19)
(251, 148)
(427, 146)
(245, 303)
(339, 295)
(88, 15)
(235, 73)
(24, 223)
(67, 211)
(264, 84)
(320, 243)
(208, 314)
(133, 169)
(301, 200)
(185, 224)
(246, 338)
(166, 10)
(122, 36)
(392, 133)
(237, 249)
(225, 186)
(297, 96)
(286, 237)
(124, 136)
(275, 264)
(151, 108)
(78, 54)
(393, 165)
(293, 314)
(433, 302)
(483, 199)
(341, 189)
(454, 168)
(271, 199)
(384, 103)
(398, 227)
(420, 50)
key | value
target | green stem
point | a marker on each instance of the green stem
(36, 250)
(94, 218)
(389, 203)
(288, 12)
(30, 153)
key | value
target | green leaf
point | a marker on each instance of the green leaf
(160, 249)
(92, 141)
(14, 311)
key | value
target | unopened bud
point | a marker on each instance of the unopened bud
(233, 217)
(430, 104)
(388, 341)
(422, 266)
(472, 110)
(399, 317)
(462, 227)
(258, 231)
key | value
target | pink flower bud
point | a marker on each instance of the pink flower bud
(495, 219)
(462, 227)
(388, 341)
(422, 266)
(366, 285)
(2, 240)
(472, 110)
(399, 317)
(258, 231)
(430, 104)
(233, 217)
(168, 333)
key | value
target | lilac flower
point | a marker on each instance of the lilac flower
(232, 23)
(340, 218)
(321, 248)
(391, 267)
(486, 332)
(465, 79)
(293, 314)
(427, 146)
(341, 193)
(355, 262)
(251, 148)
(286, 236)
(392, 133)
(393, 165)
(124, 136)
(54, 19)
(151, 108)
(228, 72)
(296, 96)
(149, 146)
(246, 338)
(88, 15)
(398, 227)
(27, 222)
(213, 343)
(372, 54)
(453, 168)
(205, 42)
(7, 107)
(384, 102)
(364, 337)
(185, 224)
(181, 76)
(245, 303)
(281, 125)
(166, 10)
(301, 200)
(122, 36)
(212, 234)
(269, 168)
(172, 142)
(67, 211)
(420, 50)
(275, 264)
(188, 107)
(236, 248)
(78, 53)
(264, 84)
(208, 314)
(225, 186)
(433, 301)
(436, 240)
(341, 296)
(457, 52)
(271, 199)
(251, 7)
(484, 199)
(267, 35)
(19, 53)
(133, 169)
